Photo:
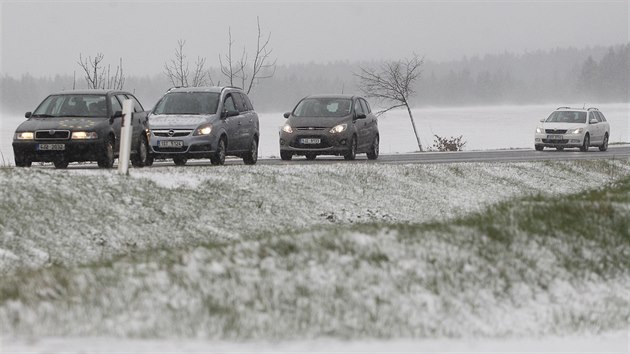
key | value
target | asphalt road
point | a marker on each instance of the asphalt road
(513, 155)
(516, 155)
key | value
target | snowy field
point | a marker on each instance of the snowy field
(492, 127)
(323, 258)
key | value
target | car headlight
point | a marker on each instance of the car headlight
(24, 136)
(84, 135)
(204, 130)
(540, 130)
(338, 128)
(576, 131)
(287, 129)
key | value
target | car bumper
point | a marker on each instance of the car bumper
(193, 147)
(313, 143)
(73, 150)
(567, 140)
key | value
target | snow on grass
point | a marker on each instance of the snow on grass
(521, 268)
(50, 217)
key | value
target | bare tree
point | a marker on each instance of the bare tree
(99, 76)
(393, 84)
(249, 74)
(178, 72)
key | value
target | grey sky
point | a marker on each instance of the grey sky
(46, 37)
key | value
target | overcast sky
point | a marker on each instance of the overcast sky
(46, 37)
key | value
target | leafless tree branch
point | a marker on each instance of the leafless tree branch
(98, 76)
(393, 84)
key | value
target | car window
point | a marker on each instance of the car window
(238, 102)
(137, 107)
(187, 103)
(116, 106)
(323, 107)
(364, 105)
(358, 109)
(567, 117)
(248, 103)
(77, 105)
(601, 115)
(228, 104)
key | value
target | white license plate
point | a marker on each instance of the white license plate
(48, 147)
(310, 141)
(554, 137)
(171, 143)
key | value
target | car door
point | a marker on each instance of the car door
(244, 121)
(115, 123)
(594, 129)
(371, 122)
(361, 126)
(232, 124)
(138, 119)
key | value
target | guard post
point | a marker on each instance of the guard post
(126, 130)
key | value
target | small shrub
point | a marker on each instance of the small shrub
(448, 144)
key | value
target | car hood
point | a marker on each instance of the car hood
(168, 121)
(567, 126)
(324, 122)
(61, 123)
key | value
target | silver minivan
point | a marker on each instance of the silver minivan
(204, 122)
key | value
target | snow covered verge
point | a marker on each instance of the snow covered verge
(345, 251)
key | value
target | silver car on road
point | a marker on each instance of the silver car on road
(204, 122)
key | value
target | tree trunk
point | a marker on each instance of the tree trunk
(413, 124)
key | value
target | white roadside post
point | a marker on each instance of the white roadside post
(125, 138)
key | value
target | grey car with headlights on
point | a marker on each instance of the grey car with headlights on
(204, 122)
(341, 125)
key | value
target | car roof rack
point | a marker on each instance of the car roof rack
(564, 107)
(593, 109)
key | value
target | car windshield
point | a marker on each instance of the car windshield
(72, 106)
(188, 103)
(323, 107)
(567, 117)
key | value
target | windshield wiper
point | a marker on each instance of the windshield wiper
(41, 115)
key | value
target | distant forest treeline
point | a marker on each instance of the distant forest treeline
(591, 75)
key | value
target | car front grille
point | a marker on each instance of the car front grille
(559, 142)
(172, 133)
(52, 135)
(555, 131)
(311, 128)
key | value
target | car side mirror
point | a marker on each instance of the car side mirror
(28, 114)
(287, 114)
(593, 121)
(543, 120)
(360, 116)
(227, 114)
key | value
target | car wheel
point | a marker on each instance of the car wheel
(374, 150)
(310, 156)
(19, 162)
(252, 155)
(149, 161)
(539, 147)
(141, 156)
(180, 161)
(286, 156)
(559, 148)
(586, 144)
(107, 157)
(61, 164)
(219, 156)
(352, 153)
(604, 145)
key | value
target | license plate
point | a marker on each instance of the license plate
(48, 147)
(310, 141)
(554, 137)
(171, 143)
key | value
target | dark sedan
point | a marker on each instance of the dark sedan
(330, 125)
(75, 126)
